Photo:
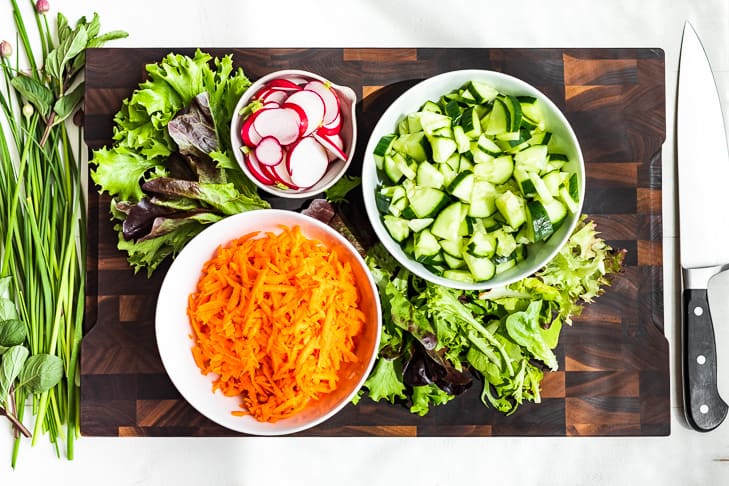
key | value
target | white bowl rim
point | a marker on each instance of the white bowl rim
(172, 305)
(409, 98)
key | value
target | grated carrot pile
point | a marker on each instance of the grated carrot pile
(275, 316)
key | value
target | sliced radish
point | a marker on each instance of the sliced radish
(307, 162)
(283, 83)
(248, 134)
(312, 105)
(269, 151)
(255, 168)
(303, 120)
(332, 143)
(328, 96)
(298, 80)
(333, 127)
(280, 123)
(274, 94)
(281, 174)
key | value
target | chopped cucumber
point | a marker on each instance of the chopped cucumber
(470, 181)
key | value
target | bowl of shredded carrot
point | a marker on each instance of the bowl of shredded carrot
(268, 322)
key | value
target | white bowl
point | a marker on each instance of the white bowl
(336, 169)
(539, 254)
(173, 329)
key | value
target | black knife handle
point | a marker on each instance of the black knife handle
(703, 406)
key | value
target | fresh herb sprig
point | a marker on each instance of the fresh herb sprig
(42, 212)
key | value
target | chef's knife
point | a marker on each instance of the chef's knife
(703, 178)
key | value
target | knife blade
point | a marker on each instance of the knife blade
(703, 175)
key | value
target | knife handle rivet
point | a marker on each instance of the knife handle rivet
(701, 359)
(698, 310)
(704, 409)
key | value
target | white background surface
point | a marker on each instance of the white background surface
(684, 458)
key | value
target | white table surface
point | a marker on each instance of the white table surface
(684, 458)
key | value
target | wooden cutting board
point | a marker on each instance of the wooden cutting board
(613, 376)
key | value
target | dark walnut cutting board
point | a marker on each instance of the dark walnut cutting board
(613, 376)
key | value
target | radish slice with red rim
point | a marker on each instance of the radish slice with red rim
(269, 151)
(281, 174)
(248, 133)
(255, 168)
(283, 83)
(297, 80)
(328, 96)
(303, 120)
(279, 123)
(332, 143)
(307, 162)
(333, 127)
(274, 94)
(312, 105)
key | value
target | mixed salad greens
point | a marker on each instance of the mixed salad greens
(436, 341)
(170, 170)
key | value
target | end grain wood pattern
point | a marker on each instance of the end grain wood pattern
(613, 376)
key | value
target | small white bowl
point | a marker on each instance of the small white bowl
(172, 325)
(336, 169)
(433, 88)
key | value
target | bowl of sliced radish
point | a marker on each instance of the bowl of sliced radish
(294, 133)
(473, 179)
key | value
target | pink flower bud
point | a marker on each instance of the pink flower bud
(42, 6)
(6, 49)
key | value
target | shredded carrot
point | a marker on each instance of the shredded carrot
(275, 316)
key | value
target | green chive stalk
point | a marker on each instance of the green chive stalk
(43, 205)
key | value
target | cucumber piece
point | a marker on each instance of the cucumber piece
(504, 265)
(428, 176)
(488, 145)
(511, 207)
(419, 224)
(499, 119)
(556, 211)
(462, 186)
(397, 227)
(458, 275)
(453, 262)
(483, 199)
(505, 243)
(533, 158)
(452, 247)
(470, 122)
(425, 246)
(539, 225)
(497, 171)
(452, 108)
(481, 244)
(442, 147)
(513, 107)
(481, 92)
(448, 222)
(383, 148)
(553, 180)
(413, 145)
(541, 187)
(431, 121)
(430, 106)
(481, 268)
(425, 202)
(463, 143)
(382, 202)
(526, 186)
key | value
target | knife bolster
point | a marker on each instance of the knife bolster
(698, 278)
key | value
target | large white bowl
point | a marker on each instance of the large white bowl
(539, 254)
(173, 328)
(336, 169)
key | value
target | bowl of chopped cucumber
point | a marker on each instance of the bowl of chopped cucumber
(473, 179)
